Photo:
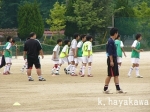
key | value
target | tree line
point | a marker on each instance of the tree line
(83, 16)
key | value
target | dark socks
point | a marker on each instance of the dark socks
(117, 87)
(105, 87)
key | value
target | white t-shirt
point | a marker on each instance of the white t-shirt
(65, 48)
(8, 46)
(135, 43)
(57, 50)
(121, 44)
(79, 44)
(89, 46)
(73, 46)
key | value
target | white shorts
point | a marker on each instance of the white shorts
(135, 60)
(85, 59)
(56, 62)
(119, 59)
(71, 58)
(7, 59)
(63, 60)
(78, 60)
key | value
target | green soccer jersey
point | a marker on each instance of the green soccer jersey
(79, 46)
(136, 45)
(119, 45)
(7, 49)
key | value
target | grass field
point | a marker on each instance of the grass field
(65, 93)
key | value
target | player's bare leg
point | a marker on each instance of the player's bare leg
(29, 75)
(38, 70)
(107, 80)
(118, 89)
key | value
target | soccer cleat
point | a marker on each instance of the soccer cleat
(42, 79)
(5, 74)
(57, 73)
(82, 75)
(30, 79)
(65, 70)
(129, 75)
(90, 75)
(22, 70)
(53, 72)
(120, 91)
(68, 72)
(139, 76)
(107, 92)
(73, 74)
(9, 72)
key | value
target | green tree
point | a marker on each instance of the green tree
(127, 10)
(88, 16)
(142, 12)
(71, 26)
(57, 17)
(8, 13)
(124, 20)
(30, 20)
(137, 2)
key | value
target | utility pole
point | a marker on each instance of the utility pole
(113, 21)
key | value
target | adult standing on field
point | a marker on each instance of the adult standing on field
(32, 49)
(112, 62)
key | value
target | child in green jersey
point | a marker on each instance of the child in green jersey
(63, 57)
(79, 52)
(12, 44)
(119, 46)
(7, 55)
(87, 55)
(135, 56)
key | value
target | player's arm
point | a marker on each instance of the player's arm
(89, 50)
(8, 48)
(135, 49)
(123, 52)
(78, 46)
(76, 52)
(110, 52)
(40, 48)
(65, 54)
(25, 51)
(24, 54)
(41, 53)
(54, 52)
(134, 45)
(122, 48)
(64, 51)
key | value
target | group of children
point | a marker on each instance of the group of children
(81, 52)
(78, 52)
